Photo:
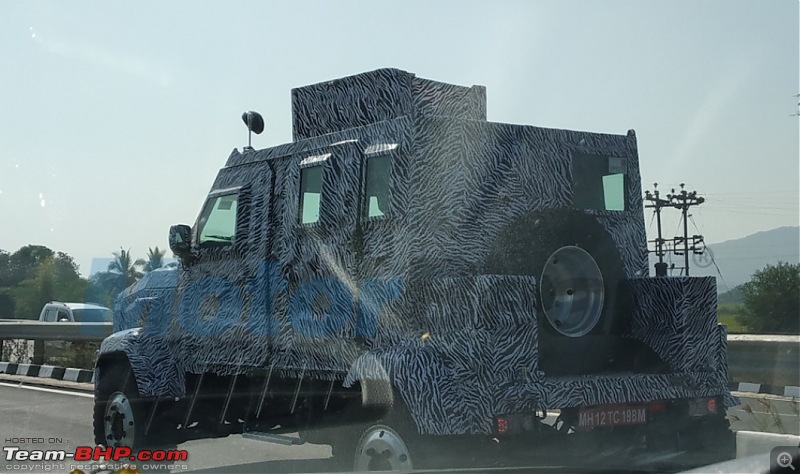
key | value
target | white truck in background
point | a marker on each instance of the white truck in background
(57, 312)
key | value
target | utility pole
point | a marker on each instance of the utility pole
(683, 201)
(657, 204)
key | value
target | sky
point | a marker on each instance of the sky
(116, 116)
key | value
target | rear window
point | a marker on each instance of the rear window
(598, 182)
(92, 315)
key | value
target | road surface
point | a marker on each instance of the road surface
(63, 420)
(47, 418)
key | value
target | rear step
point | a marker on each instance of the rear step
(273, 438)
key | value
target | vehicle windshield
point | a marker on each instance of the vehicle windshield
(217, 222)
(92, 315)
(405, 235)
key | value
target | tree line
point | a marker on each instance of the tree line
(770, 302)
(35, 275)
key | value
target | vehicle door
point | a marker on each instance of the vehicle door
(318, 256)
(218, 289)
(381, 262)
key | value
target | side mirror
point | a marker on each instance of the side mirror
(180, 240)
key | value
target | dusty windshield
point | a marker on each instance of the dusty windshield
(400, 235)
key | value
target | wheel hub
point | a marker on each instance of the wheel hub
(118, 421)
(381, 449)
(572, 291)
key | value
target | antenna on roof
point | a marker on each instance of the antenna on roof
(255, 124)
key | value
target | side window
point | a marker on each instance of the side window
(614, 191)
(376, 191)
(217, 225)
(598, 182)
(50, 315)
(63, 315)
(310, 193)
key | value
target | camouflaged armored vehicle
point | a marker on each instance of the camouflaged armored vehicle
(405, 273)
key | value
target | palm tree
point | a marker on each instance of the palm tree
(127, 269)
(155, 259)
(103, 288)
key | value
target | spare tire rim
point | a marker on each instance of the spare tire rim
(572, 292)
(118, 421)
(382, 449)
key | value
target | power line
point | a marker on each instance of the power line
(739, 193)
(711, 255)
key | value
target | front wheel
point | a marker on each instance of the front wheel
(120, 414)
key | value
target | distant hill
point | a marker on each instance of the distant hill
(738, 259)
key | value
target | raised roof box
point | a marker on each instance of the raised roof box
(379, 95)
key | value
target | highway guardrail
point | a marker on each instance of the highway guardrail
(39, 332)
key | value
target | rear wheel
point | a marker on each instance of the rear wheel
(381, 448)
(391, 443)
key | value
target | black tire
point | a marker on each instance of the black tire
(390, 443)
(120, 414)
(524, 247)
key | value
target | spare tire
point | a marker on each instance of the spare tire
(581, 304)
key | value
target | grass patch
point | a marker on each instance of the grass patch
(728, 314)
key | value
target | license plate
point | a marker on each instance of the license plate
(611, 415)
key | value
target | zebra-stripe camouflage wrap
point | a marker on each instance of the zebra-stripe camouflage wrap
(407, 296)
(376, 96)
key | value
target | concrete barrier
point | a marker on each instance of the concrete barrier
(769, 360)
(750, 443)
(765, 413)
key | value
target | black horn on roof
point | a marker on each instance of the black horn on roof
(255, 124)
(254, 121)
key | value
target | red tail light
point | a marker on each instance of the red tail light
(711, 404)
(502, 425)
(657, 406)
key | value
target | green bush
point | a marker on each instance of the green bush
(729, 314)
(772, 300)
